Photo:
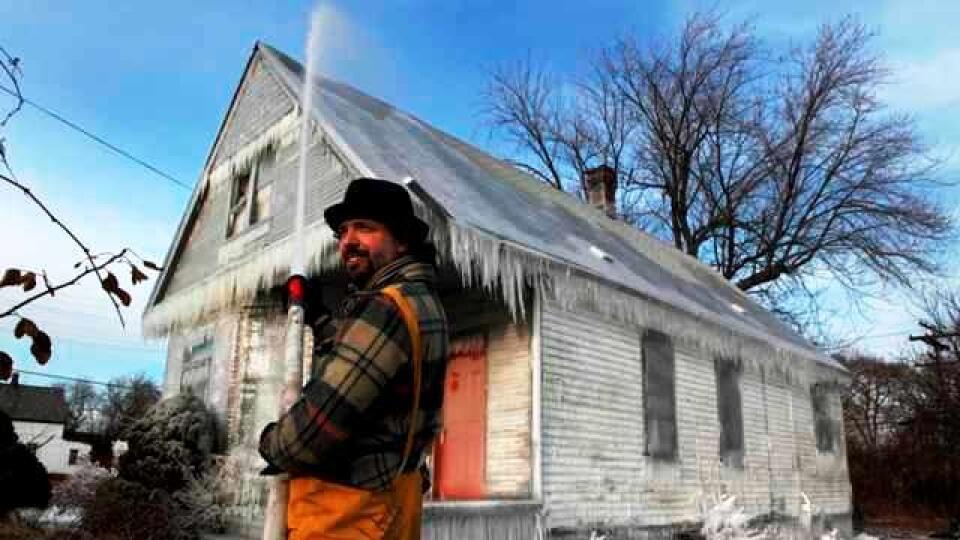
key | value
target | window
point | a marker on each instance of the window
(729, 411)
(236, 222)
(74, 457)
(659, 396)
(196, 366)
(250, 196)
(825, 427)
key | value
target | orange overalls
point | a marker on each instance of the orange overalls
(321, 510)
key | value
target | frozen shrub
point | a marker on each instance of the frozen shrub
(78, 491)
(172, 443)
(127, 510)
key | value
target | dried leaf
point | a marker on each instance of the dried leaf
(6, 366)
(152, 266)
(136, 276)
(25, 327)
(111, 285)
(10, 277)
(29, 281)
(42, 348)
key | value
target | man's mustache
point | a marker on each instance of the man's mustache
(355, 250)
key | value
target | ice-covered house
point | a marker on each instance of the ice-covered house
(600, 380)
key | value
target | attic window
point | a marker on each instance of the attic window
(250, 196)
(239, 189)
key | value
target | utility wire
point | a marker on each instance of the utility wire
(97, 139)
(74, 379)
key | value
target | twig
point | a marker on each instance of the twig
(10, 66)
(50, 290)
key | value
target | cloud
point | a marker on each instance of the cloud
(925, 83)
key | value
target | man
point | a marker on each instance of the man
(348, 442)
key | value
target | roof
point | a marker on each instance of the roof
(514, 212)
(27, 403)
(490, 195)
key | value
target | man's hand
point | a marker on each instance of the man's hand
(289, 397)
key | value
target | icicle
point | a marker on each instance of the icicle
(280, 134)
(506, 269)
(238, 284)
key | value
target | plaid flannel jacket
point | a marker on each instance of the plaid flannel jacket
(351, 422)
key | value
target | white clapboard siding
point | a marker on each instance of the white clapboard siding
(699, 439)
(753, 488)
(224, 337)
(592, 426)
(593, 470)
(261, 102)
(825, 478)
(198, 255)
(784, 474)
(508, 412)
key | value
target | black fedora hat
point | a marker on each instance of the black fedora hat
(381, 201)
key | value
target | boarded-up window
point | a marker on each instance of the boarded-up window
(824, 424)
(659, 396)
(729, 411)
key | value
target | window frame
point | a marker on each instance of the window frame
(731, 445)
(667, 448)
(825, 428)
(245, 206)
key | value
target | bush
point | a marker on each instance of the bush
(19, 467)
(129, 511)
(171, 444)
(78, 491)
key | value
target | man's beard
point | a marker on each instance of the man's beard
(362, 268)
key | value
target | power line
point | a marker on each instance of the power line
(97, 139)
(74, 379)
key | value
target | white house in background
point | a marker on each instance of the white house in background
(39, 415)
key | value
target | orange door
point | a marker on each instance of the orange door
(461, 448)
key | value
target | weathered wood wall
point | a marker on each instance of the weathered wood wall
(509, 391)
(509, 408)
(594, 472)
(262, 103)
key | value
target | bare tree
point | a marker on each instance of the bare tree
(126, 400)
(771, 168)
(84, 403)
(873, 406)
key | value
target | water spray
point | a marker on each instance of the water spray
(275, 522)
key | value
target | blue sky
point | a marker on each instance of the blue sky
(156, 78)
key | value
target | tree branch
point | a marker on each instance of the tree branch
(86, 251)
(52, 289)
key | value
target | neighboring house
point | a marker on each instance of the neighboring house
(599, 379)
(39, 416)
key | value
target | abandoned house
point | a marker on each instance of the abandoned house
(600, 380)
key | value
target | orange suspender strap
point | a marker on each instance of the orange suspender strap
(413, 327)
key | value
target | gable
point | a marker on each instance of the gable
(260, 103)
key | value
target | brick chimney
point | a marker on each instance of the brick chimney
(601, 186)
